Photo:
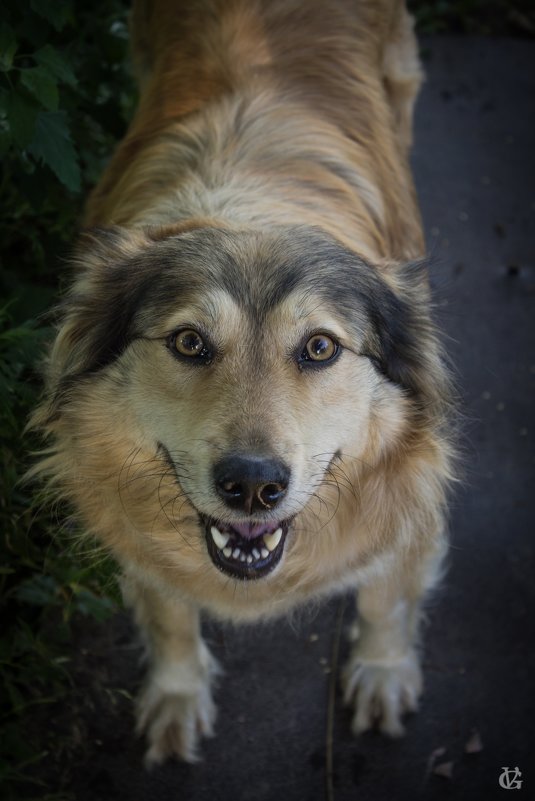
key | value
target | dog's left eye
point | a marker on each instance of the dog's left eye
(189, 344)
(320, 348)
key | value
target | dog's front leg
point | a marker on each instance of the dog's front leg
(383, 679)
(175, 705)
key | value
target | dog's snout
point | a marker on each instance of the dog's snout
(251, 483)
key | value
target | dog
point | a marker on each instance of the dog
(246, 401)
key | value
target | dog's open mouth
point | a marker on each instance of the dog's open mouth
(245, 550)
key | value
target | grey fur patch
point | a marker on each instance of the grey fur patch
(259, 270)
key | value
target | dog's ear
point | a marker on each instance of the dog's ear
(404, 344)
(96, 314)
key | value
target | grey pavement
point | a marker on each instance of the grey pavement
(474, 164)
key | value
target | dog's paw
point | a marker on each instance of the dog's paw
(382, 692)
(174, 716)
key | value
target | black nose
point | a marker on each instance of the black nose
(251, 483)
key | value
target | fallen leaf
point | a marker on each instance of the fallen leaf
(445, 769)
(474, 744)
(438, 752)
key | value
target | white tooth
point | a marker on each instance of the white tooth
(242, 557)
(219, 538)
(249, 560)
(227, 552)
(236, 553)
(272, 540)
(265, 553)
(256, 553)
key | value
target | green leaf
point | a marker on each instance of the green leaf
(8, 46)
(22, 114)
(39, 591)
(53, 61)
(52, 145)
(87, 603)
(57, 12)
(42, 85)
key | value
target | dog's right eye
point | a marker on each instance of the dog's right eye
(189, 344)
(319, 350)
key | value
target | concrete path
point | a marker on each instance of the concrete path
(474, 163)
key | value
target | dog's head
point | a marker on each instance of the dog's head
(217, 396)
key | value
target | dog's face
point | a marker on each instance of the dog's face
(220, 394)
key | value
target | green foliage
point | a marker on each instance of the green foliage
(65, 98)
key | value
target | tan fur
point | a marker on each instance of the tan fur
(280, 91)
(255, 114)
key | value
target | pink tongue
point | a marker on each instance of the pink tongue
(250, 531)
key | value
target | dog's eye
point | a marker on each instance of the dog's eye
(320, 348)
(189, 343)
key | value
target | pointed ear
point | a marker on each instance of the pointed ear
(405, 346)
(98, 247)
(96, 314)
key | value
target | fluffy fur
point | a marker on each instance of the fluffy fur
(261, 195)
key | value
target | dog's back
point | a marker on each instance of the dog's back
(272, 112)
